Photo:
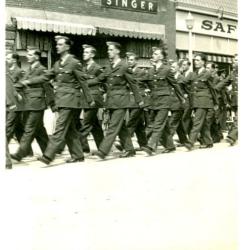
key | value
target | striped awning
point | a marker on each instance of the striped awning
(210, 57)
(28, 23)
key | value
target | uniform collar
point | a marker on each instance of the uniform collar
(33, 65)
(115, 63)
(64, 58)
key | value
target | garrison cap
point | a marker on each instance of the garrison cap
(85, 46)
(128, 54)
(67, 40)
(117, 45)
(33, 48)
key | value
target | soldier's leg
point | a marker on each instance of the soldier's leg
(10, 124)
(158, 126)
(233, 133)
(31, 124)
(149, 122)
(206, 128)
(65, 117)
(198, 121)
(136, 125)
(8, 163)
(172, 124)
(115, 123)
(187, 120)
(41, 135)
(181, 133)
(97, 131)
(73, 140)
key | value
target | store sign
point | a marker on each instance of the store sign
(208, 25)
(218, 26)
(132, 5)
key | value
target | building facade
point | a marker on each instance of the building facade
(138, 25)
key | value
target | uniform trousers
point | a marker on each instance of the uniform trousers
(160, 118)
(116, 127)
(172, 124)
(136, 124)
(33, 129)
(65, 132)
(91, 124)
(202, 125)
(233, 133)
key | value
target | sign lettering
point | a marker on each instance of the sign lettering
(132, 5)
(218, 26)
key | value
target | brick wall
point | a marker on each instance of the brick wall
(165, 15)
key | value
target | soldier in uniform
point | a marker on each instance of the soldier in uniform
(203, 101)
(136, 121)
(69, 81)
(160, 80)
(91, 122)
(232, 80)
(15, 121)
(34, 104)
(119, 82)
(177, 109)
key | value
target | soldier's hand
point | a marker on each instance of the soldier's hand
(185, 96)
(216, 107)
(53, 108)
(19, 97)
(92, 104)
(183, 101)
(25, 82)
(141, 104)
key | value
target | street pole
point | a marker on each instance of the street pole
(190, 48)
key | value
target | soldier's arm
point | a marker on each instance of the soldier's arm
(42, 77)
(226, 82)
(133, 85)
(174, 84)
(93, 80)
(77, 70)
(213, 91)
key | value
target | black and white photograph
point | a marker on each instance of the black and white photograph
(120, 124)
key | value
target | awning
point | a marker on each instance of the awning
(210, 57)
(57, 22)
(28, 23)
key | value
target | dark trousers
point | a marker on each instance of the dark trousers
(136, 124)
(8, 163)
(187, 120)
(233, 133)
(91, 124)
(33, 129)
(116, 127)
(65, 132)
(160, 118)
(15, 125)
(216, 132)
(202, 125)
(172, 124)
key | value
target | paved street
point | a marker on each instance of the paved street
(178, 201)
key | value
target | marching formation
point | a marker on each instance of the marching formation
(151, 103)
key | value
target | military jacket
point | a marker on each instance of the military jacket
(161, 82)
(95, 88)
(202, 92)
(70, 88)
(232, 79)
(34, 94)
(119, 82)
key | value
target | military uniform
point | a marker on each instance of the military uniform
(70, 91)
(119, 83)
(91, 122)
(33, 104)
(203, 100)
(136, 122)
(161, 81)
(177, 108)
(232, 80)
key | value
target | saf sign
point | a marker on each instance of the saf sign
(132, 5)
(218, 26)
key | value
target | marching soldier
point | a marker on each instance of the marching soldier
(69, 81)
(136, 121)
(177, 108)
(232, 80)
(91, 122)
(160, 80)
(15, 121)
(204, 100)
(34, 104)
(119, 82)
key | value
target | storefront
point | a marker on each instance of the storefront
(137, 24)
(214, 36)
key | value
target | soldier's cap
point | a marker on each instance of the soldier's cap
(33, 48)
(117, 45)
(67, 40)
(85, 46)
(128, 54)
(156, 48)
